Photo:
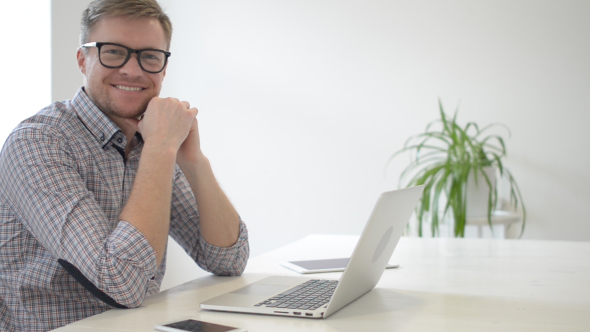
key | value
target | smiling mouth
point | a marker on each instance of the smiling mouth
(127, 88)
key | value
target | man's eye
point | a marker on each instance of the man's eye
(150, 56)
(113, 52)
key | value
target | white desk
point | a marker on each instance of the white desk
(442, 285)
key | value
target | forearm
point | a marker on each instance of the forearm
(148, 207)
(218, 219)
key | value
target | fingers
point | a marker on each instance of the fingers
(195, 111)
(171, 104)
(188, 107)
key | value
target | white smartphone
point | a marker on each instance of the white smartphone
(192, 325)
(322, 265)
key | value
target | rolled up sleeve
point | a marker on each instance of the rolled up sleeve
(225, 261)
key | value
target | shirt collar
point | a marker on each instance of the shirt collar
(101, 127)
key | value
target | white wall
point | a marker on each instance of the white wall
(65, 33)
(25, 61)
(303, 101)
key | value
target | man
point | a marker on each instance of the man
(90, 188)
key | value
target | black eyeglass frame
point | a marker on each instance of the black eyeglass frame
(130, 51)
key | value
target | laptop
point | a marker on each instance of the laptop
(319, 298)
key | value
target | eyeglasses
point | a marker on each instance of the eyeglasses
(113, 55)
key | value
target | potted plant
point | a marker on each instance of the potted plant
(443, 158)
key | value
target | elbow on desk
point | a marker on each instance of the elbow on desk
(235, 268)
(124, 289)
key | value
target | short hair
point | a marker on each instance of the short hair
(98, 9)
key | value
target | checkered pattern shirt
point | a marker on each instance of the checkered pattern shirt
(64, 252)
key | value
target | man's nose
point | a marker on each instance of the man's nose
(132, 67)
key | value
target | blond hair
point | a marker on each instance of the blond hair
(98, 9)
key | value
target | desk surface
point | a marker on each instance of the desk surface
(441, 285)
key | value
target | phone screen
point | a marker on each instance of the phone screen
(198, 326)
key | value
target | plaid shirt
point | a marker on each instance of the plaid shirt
(64, 253)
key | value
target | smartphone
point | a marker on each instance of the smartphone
(322, 265)
(192, 325)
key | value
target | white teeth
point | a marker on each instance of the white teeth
(127, 88)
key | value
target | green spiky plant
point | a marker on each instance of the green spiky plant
(442, 160)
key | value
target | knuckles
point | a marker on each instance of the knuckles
(170, 103)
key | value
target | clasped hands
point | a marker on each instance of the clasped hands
(169, 123)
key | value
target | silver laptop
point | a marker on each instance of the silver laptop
(319, 298)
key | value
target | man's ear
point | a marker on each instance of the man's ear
(81, 58)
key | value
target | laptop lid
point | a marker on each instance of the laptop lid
(376, 244)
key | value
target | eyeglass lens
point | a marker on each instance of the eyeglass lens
(115, 56)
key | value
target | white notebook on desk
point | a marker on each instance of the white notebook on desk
(319, 298)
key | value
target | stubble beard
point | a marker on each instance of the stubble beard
(109, 107)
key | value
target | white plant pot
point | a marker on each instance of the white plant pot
(477, 195)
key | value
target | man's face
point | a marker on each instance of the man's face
(122, 92)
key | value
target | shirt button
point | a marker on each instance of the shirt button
(120, 140)
(102, 137)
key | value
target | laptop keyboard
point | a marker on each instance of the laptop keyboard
(309, 295)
